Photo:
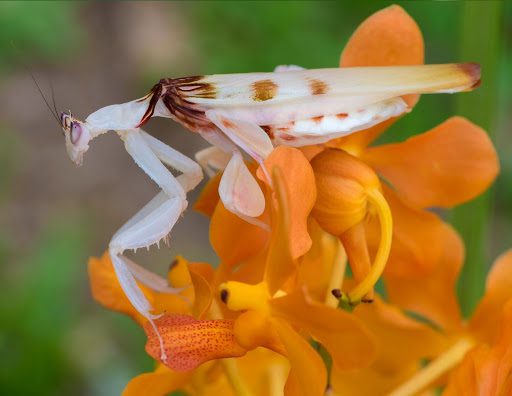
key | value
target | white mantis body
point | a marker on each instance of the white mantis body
(251, 112)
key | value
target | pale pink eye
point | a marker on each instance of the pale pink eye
(76, 132)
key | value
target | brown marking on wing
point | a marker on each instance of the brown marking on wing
(263, 90)
(268, 131)
(318, 119)
(318, 87)
(341, 116)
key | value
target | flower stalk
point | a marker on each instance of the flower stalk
(337, 275)
(444, 363)
(375, 198)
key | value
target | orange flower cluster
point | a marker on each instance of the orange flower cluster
(280, 315)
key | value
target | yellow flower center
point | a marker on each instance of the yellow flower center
(239, 296)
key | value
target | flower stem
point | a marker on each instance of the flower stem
(434, 369)
(386, 232)
(337, 274)
(480, 40)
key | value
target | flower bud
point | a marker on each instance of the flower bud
(342, 183)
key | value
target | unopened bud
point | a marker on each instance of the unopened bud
(342, 183)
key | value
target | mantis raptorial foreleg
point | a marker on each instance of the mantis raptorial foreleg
(155, 220)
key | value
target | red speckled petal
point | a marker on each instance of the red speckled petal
(189, 342)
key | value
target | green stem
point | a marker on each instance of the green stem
(480, 42)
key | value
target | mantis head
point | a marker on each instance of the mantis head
(77, 136)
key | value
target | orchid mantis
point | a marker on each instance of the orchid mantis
(238, 113)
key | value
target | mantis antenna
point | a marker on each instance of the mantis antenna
(54, 112)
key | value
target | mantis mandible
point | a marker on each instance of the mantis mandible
(237, 113)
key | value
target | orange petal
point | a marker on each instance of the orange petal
(263, 371)
(209, 197)
(179, 276)
(370, 381)
(279, 265)
(106, 289)
(189, 342)
(446, 166)
(388, 37)
(311, 151)
(433, 295)
(253, 329)
(356, 143)
(233, 239)
(416, 247)
(160, 382)
(342, 334)
(307, 376)
(203, 294)
(354, 242)
(484, 321)
(400, 340)
(316, 266)
(299, 182)
(486, 371)
(203, 269)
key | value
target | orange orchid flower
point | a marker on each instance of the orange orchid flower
(401, 344)
(263, 373)
(428, 170)
(347, 191)
(273, 310)
(486, 370)
(276, 308)
(186, 342)
(479, 347)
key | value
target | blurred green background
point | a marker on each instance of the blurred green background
(54, 340)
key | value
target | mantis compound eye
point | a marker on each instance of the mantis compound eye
(65, 122)
(76, 132)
